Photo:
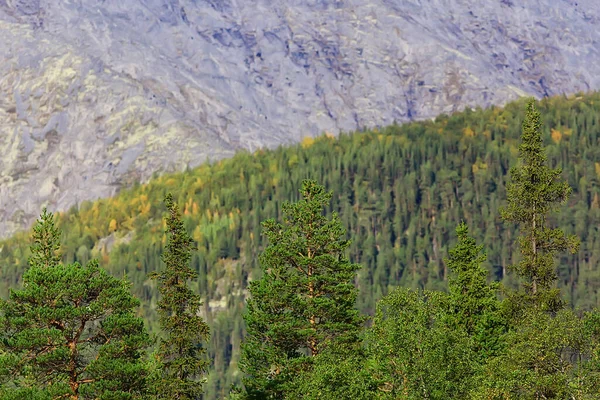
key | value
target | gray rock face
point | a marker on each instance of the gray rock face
(97, 94)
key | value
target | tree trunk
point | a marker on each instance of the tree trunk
(312, 343)
(534, 244)
(73, 383)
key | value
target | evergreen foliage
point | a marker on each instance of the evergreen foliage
(534, 192)
(400, 191)
(45, 249)
(181, 354)
(305, 300)
(474, 304)
(71, 331)
(546, 357)
(546, 345)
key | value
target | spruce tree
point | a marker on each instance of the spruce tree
(71, 331)
(181, 355)
(473, 303)
(45, 248)
(305, 299)
(546, 345)
(536, 190)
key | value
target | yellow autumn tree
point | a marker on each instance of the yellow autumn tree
(112, 226)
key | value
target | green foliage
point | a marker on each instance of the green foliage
(181, 361)
(415, 334)
(71, 331)
(535, 191)
(46, 242)
(305, 300)
(28, 393)
(343, 373)
(547, 347)
(474, 304)
(417, 354)
(400, 191)
(589, 372)
(545, 358)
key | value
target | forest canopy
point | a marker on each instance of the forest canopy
(400, 192)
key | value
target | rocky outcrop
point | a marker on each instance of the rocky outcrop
(95, 95)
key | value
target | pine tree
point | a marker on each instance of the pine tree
(473, 302)
(535, 191)
(181, 355)
(305, 300)
(71, 331)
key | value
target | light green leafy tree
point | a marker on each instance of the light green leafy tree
(417, 354)
(546, 357)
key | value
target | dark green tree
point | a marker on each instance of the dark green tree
(181, 361)
(535, 191)
(71, 331)
(546, 345)
(473, 302)
(305, 299)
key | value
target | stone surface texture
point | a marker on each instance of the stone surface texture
(97, 94)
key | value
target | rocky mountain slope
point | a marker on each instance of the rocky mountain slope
(97, 94)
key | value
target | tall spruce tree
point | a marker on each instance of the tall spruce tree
(181, 355)
(536, 190)
(305, 299)
(546, 345)
(71, 331)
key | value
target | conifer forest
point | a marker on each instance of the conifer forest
(457, 258)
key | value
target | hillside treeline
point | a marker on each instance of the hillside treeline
(400, 192)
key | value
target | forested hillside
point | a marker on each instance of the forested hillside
(400, 192)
